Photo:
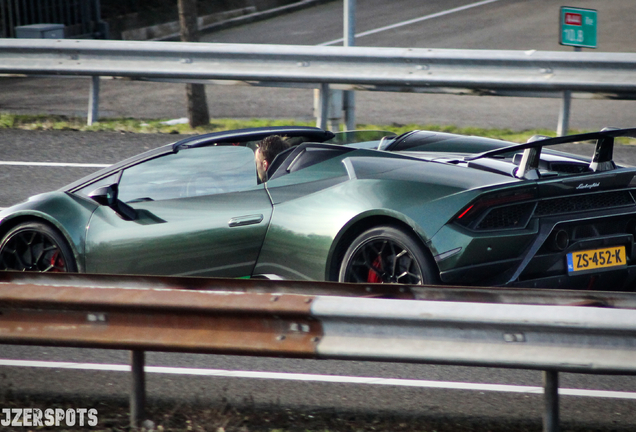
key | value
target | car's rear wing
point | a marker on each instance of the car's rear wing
(602, 160)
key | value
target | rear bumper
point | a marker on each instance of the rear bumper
(498, 274)
(540, 265)
(615, 280)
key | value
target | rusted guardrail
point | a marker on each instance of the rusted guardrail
(551, 331)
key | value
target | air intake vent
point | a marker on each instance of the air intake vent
(570, 168)
(508, 217)
(581, 203)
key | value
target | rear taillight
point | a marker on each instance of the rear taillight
(511, 210)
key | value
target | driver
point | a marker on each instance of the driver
(266, 151)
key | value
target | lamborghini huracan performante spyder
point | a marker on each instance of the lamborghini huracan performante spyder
(370, 207)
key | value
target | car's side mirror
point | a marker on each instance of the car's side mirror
(107, 196)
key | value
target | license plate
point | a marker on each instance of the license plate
(597, 259)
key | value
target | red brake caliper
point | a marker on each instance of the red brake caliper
(57, 262)
(373, 276)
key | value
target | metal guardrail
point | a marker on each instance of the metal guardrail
(478, 72)
(609, 74)
(273, 318)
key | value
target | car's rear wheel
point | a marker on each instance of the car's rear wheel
(386, 254)
(36, 247)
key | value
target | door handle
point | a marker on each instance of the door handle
(245, 220)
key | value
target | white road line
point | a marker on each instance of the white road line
(54, 164)
(412, 21)
(447, 385)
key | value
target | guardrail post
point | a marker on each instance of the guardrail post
(349, 105)
(323, 106)
(328, 107)
(335, 109)
(564, 115)
(349, 97)
(551, 396)
(138, 390)
(93, 101)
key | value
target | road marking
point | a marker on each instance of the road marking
(446, 385)
(413, 21)
(54, 164)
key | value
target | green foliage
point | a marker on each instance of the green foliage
(55, 122)
(7, 121)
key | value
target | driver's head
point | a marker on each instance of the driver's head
(266, 151)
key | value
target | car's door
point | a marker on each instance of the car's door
(199, 211)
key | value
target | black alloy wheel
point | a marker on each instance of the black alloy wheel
(35, 247)
(386, 254)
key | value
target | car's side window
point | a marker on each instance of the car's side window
(189, 173)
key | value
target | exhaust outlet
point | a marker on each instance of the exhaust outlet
(559, 240)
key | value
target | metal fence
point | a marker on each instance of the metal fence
(591, 332)
(81, 18)
(461, 72)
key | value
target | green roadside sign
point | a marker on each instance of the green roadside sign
(578, 27)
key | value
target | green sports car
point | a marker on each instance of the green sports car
(368, 207)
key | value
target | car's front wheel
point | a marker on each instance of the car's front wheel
(386, 254)
(34, 246)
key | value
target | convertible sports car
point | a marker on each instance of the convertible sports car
(419, 208)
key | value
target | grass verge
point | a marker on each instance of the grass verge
(56, 122)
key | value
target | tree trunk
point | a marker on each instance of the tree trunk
(197, 105)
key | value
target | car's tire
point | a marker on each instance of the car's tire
(37, 247)
(387, 254)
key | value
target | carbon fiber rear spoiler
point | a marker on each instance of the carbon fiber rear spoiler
(602, 159)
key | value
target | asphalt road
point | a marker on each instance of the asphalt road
(522, 406)
(505, 24)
